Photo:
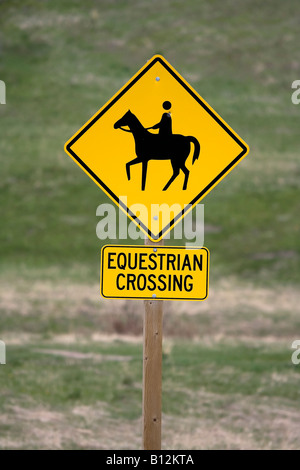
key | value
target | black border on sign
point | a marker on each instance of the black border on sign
(106, 188)
(149, 247)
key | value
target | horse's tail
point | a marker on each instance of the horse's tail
(197, 148)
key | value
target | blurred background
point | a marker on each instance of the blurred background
(73, 376)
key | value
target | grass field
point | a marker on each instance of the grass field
(74, 364)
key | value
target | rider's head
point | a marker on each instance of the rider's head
(167, 105)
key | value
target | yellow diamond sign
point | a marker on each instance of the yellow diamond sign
(156, 148)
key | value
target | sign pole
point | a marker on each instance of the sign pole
(152, 369)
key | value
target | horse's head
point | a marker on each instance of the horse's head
(124, 121)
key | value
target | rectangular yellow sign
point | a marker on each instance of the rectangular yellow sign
(150, 272)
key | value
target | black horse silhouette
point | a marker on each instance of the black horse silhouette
(150, 146)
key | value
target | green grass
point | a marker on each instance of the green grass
(62, 383)
(58, 382)
(62, 62)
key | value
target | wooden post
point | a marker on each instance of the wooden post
(152, 369)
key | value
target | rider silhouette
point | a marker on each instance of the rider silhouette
(165, 124)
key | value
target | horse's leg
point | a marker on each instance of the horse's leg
(175, 174)
(128, 165)
(144, 174)
(186, 175)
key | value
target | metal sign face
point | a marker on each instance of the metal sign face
(147, 272)
(175, 150)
